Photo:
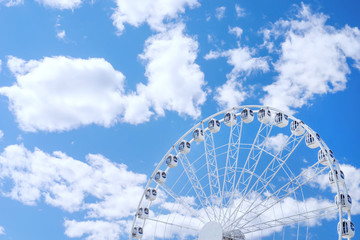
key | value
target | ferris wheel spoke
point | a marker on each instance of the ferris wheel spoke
(212, 169)
(289, 220)
(181, 201)
(196, 185)
(252, 160)
(283, 192)
(231, 166)
(273, 169)
(157, 220)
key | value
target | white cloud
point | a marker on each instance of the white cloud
(64, 182)
(176, 87)
(2, 230)
(240, 12)
(11, 3)
(352, 181)
(61, 34)
(312, 59)
(61, 93)
(96, 230)
(236, 31)
(61, 4)
(1, 134)
(275, 143)
(220, 12)
(244, 64)
(137, 12)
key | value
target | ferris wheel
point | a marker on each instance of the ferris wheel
(249, 172)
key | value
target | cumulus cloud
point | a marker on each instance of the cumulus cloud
(175, 81)
(94, 230)
(66, 183)
(233, 92)
(313, 58)
(220, 12)
(275, 143)
(154, 13)
(61, 93)
(61, 34)
(61, 4)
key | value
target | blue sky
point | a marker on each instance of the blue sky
(94, 93)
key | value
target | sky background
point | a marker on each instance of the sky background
(94, 93)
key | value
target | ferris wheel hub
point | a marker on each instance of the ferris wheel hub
(211, 231)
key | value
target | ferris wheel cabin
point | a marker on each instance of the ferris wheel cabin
(151, 194)
(311, 142)
(214, 125)
(281, 120)
(230, 119)
(339, 177)
(247, 115)
(137, 232)
(345, 202)
(323, 157)
(171, 161)
(160, 177)
(264, 115)
(198, 135)
(184, 147)
(347, 228)
(296, 128)
(143, 213)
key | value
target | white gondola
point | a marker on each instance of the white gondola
(171, 161)
(281, 120)
(323, 159)
(345, 202)
(264, 115)
(137, 232)
(143, 213)
(347, 229)
(310, 140)
(247, 115)
(160, 177)
(151, 194)
(184, 147)
(198, 135)
(296, 128)
(230, 119)
(340, 178)
(214, 125)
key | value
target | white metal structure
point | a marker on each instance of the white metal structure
(244, 181)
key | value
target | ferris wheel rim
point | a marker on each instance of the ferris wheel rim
(322, 146)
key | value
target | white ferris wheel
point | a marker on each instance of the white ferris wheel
(248, 172)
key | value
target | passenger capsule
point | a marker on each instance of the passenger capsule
(137, 232)
(160, 177)
(281, 120)
(296, 128)
(151, 194)
(345, 202)
(347, 229)
(184, 147)
(198, 135)
(322, 157)
(214, 125)
(264, 115)
(311, 142)
(143, 213)
(338, 177)
(171, 161)
(230, 119)
(247, 115)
